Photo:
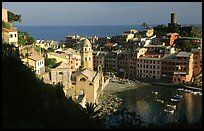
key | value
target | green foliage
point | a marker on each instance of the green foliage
(14, 17)
(160, 30)
(6, 25)
(25, 39)
(50, 62)
(144, 25)
(185, 45)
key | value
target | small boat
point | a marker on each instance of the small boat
(160, 101)
(172, 99)
(155, 92)
(178, 96)
(180, 89)
(172, 106)
(170, 111)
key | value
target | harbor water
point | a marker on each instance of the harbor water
(153, 108)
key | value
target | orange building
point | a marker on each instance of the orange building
(170, 38)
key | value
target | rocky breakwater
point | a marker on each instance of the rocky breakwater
(108, 104)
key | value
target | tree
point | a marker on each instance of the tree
(144, 25)
(14, 17)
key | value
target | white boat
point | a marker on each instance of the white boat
(180, 89)
(170, 111)
(172, 106)
(160, 101)
(172, 99)
(178, 96)
(155, 92)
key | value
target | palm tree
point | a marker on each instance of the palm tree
(144, 25)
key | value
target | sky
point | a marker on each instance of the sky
(105, 13)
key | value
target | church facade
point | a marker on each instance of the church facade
(84, 85)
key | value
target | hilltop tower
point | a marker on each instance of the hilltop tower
(173, 26)
(86, 55)
(173, 18)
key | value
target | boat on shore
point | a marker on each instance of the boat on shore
(172, 106)
(169, 111)
(176, 98)
(155, 92)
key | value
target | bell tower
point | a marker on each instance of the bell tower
(87, 57)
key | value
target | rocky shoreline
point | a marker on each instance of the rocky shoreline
(109, 102)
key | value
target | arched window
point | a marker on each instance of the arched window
(85, 59)
(83, 79)
(90, 84)
(84, 49)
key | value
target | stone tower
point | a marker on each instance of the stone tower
(173, 18)
(86, 55)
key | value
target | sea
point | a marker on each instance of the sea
(59, 33)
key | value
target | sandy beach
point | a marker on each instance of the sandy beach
(116, 87)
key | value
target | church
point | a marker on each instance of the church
(85, 84)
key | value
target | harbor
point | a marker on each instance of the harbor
(157, 104)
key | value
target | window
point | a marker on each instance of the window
(89, 58)
(15, 35)
(85, 59)
(11, 35)
(146, 66)
(90, 84)
(157, 72)
(82, 79)
(157, 67)
(179, 79)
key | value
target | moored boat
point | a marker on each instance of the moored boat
(155, 92)
(170, 111)
(172, 106)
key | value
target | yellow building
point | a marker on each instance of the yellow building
(36, 62)
(4, 15)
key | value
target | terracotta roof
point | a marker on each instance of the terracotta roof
(8, 30)
(109, 44)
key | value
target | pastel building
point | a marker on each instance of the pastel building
(10, 36)
(196, 61)
(170, 38)
(184, 67)
(99, 59)
(149, 66)
(36, 62)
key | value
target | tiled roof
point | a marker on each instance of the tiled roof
(36, 57)
(90, 74)
(8, 30)
(109, 44)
